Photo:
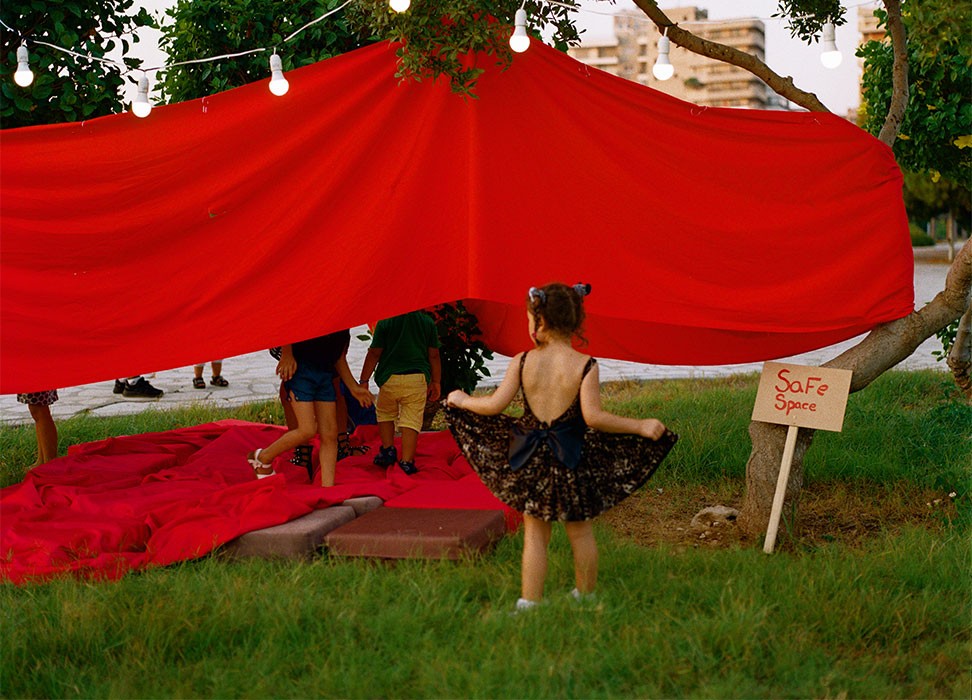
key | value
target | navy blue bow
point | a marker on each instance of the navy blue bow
(566, 440)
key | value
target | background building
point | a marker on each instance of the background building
(633, 50)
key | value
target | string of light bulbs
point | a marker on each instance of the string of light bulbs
(141, 105)
(663, 69)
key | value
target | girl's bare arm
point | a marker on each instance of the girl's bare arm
(495, 402)
(599, 419)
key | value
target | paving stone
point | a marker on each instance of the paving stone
(298, 539)
(417, 533)
(364, 504)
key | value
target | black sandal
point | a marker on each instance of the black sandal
(346, 449)
(217, 381)
(198, 383)
(303, 456)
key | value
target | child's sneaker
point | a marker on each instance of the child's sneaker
(523, 605)
(386, 456)
(408, 467)
(584, 597)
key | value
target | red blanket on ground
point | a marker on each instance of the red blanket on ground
(153, 499)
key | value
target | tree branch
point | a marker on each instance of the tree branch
(890, 343)
(899, 74)
(720, 52)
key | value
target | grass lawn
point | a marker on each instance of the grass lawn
(871, 599)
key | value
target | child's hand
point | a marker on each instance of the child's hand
(651, 428)
(286, 367)
(456, 398)
(434, 391)
(362, 395)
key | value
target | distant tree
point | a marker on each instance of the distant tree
(66, 88)
(202, 28)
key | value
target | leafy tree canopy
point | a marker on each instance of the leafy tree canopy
(205, 28)
(66, 88)
(936, 133)
(438, 36)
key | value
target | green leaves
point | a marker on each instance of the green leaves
(65, 88)
(202, 28)
(463, 355)
(805, 18)
(441, 38)
(940, 75)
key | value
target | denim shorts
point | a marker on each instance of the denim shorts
(311, 384)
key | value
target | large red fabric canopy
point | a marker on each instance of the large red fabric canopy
(242, 220)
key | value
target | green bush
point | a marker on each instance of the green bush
(919, 238)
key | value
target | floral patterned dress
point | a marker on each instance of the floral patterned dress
(557, 471)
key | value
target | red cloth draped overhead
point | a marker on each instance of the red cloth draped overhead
(242, 220)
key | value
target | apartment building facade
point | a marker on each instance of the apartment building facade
(633, 51)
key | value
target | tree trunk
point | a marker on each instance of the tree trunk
(879, 351)
(960, 356)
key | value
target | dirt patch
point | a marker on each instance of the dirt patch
(829, 512)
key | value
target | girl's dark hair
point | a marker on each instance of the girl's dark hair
(560, 307)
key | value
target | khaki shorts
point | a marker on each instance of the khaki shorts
(402, 398)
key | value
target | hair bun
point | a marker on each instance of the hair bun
(582, 289)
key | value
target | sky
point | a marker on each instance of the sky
(837, 89)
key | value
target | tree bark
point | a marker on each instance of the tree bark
(960, 356)
(899, 74)
(879, 351)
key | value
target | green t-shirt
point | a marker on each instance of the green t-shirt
(405, 341)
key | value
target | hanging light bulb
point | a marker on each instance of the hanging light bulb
(278, 83)
(399, 5)
(663, 68)
(831, 56)
(23, 77)
(141, 107)
(520, 41)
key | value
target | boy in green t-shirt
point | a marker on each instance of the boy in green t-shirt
(404, 357)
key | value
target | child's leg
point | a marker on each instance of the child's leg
(288, 407)
(306, 427)
(582, 543)
(326, 413)
(341, 405)
(217, 366)
(411, 413)
(46, 432)
(409, 443)
(536, 537)
(197, 371)
(386, 430)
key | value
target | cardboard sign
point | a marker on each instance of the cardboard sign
(807, 397)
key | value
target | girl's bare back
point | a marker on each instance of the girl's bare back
(552, 375)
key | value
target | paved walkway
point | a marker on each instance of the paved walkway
(252, 378)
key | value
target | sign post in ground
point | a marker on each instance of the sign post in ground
(800, 397)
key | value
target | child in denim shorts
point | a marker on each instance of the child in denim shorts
(308, 369)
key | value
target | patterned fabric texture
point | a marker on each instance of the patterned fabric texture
(38, 398)
(612, 465)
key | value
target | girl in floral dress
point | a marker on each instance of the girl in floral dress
(566, 459)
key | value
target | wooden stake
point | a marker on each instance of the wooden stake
(784, 477)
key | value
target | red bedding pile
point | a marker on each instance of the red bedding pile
(153, 499)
